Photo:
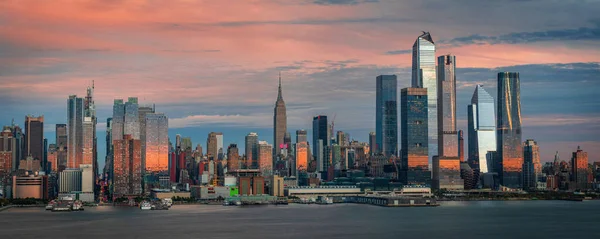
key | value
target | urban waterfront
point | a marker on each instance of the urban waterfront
(483, 219)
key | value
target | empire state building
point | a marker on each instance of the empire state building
(279, 123)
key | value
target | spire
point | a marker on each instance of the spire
(279, 97)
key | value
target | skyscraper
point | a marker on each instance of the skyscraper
(126, 119)
(127, 167)
(482, 129)
(424, 76)
(156, 134)
(87, 143)
(302, 156)
(252, 150)
(75, 131)
(265, 158)
(214, 144)
(8, 153)
(579, 169)
(508, 133)
(372, 143)
(446, 167)
(386, 115)
(301, 136)
(142, 112)
(61, 145)
(321, 132)
(279, 121)
(531, 160)
(109, 149)
(233, 158)
(414, 138)
(34, 136)
(89, 133)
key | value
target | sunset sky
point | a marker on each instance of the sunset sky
(212, 65)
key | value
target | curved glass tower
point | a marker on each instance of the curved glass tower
(424, 76)
(508, 133)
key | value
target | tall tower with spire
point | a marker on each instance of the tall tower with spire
(279, 122)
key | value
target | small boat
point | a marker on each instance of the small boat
(145, 205)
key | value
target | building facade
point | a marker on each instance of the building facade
(233, 158)
(386, 115)
(34, 137)
(279, 122)
(321, 142)
(531, 161)
(142, 112)
(414, 137)
(61, 145)
(579, 169)
(251, 150)
(508, 132)
(265, 158)
(156, 134)
(481, 122)
(127, 178)
(424, 76)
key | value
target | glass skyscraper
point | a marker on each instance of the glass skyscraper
(508, 132)
(386, 115)
(482, 130)
(413, 123)
(252, 150)
(321, 132)
(446, 167)
(531, 161)
(424, 76)
(157, 143)
(75, 131)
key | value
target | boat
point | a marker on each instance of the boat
(167, 201)
(61, 206)
(324, 200)
(145, 205)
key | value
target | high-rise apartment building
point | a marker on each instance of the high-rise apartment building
(414, 137)
(386, 115)
(531, 160)
(481, 122)
(279, 122)
(142, 112)
(302, 156)
(87, 143)
(424, 76)
(252, 150)
(265, 158)
(233, 158)
(508, 132)
(156, 134)
(321, 132)
(127, 178)
(34, 136)
(579, 169)
(8, 153)
(446, 167)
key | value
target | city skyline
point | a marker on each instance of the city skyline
(317, 81)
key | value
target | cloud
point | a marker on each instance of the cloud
(399, 52)
(343, 2)
(583, 33)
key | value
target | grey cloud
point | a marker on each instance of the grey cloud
(343, 2)
(582, 33)
(399, 52)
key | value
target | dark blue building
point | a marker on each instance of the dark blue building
(414, 155)
(386, 115)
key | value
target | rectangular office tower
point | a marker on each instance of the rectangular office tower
(446, 167)
(156, 135)
(252, 150)
(481, 123)
(321, 142)
(508, 134)
(413, 122)
(386, 115)
(34, 137)
(127, 167)
(531, 164)
(424, 76)
(75, 131)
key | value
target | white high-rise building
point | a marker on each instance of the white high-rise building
(424, 76)
(482, 129)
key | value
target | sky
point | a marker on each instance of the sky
(214, 65)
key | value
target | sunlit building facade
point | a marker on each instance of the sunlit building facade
(386, 115)
(142, 112)
(265, 158)
(87, 152)
(482, 129)
(127, 167)
(446, 167)
(579, 169)
(75, 131)
(156, 134)
(233, 157)
(302, 156)
(214, 145)
(424, 76)
(414, 137)
(508, 132)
